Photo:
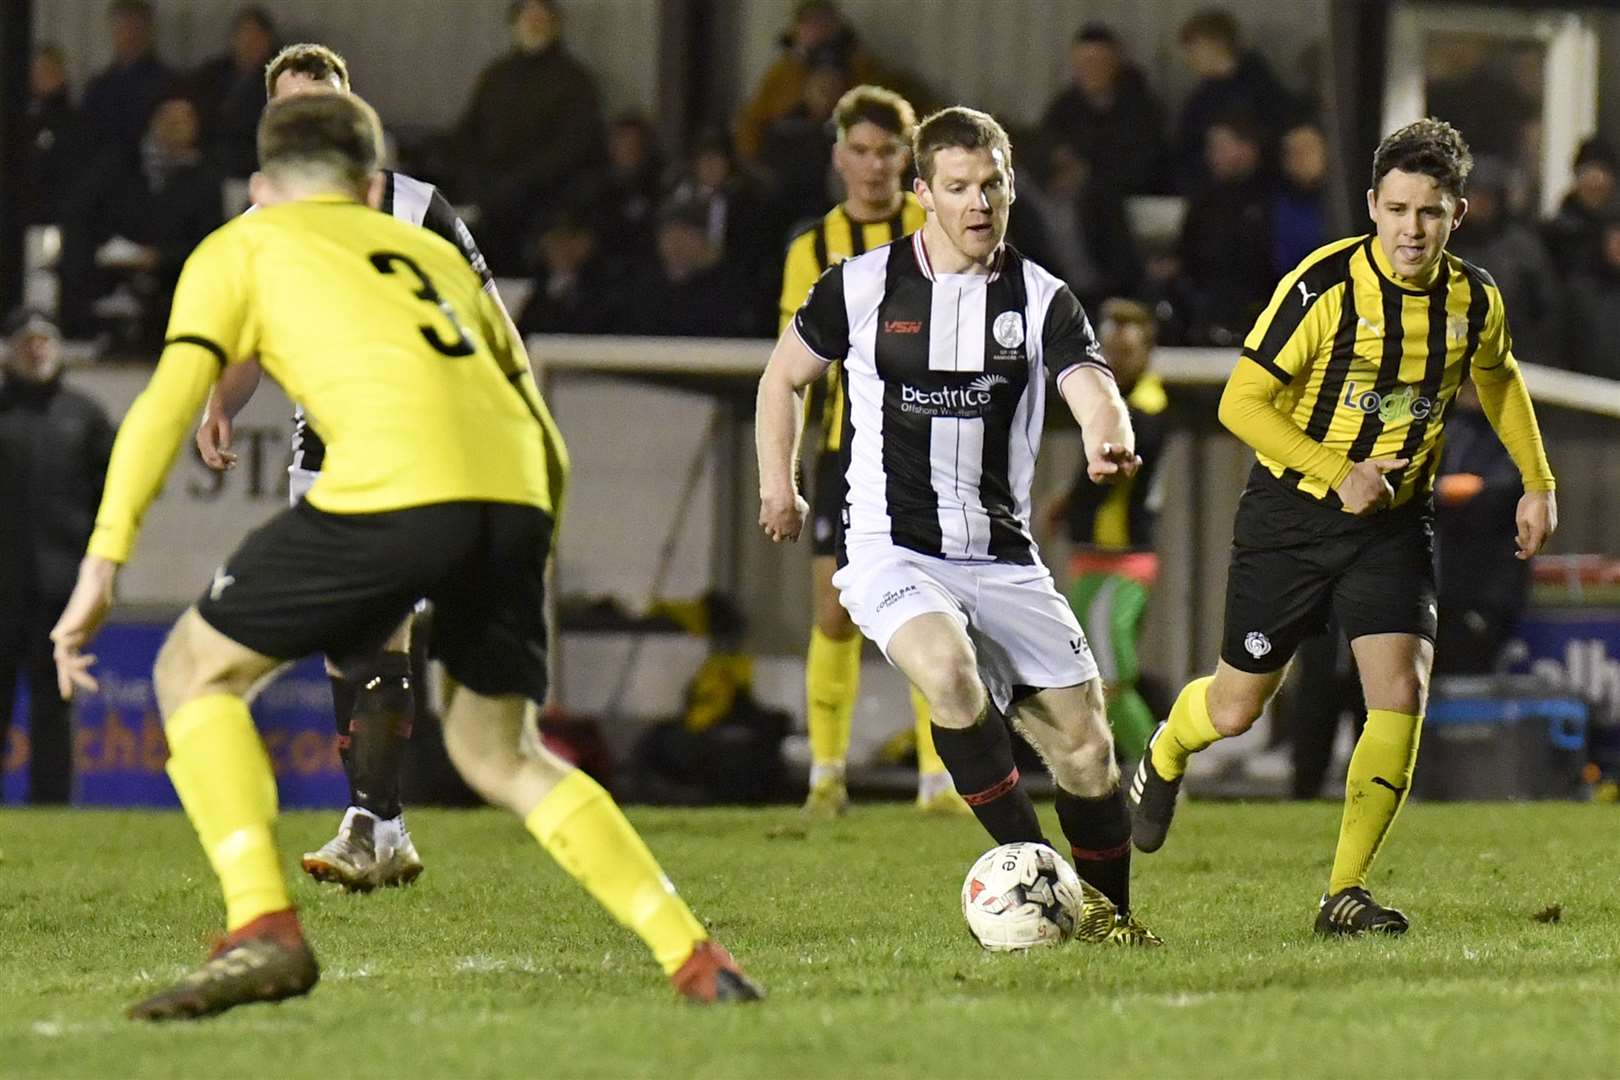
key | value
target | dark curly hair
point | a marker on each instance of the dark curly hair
(1431, 147)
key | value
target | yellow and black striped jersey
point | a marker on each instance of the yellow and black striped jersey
(1366, 364)
(830, 240)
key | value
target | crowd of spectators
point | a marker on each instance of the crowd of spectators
(620, 236)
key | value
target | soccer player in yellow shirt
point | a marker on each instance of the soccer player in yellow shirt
(873, 126)
(1343, 391)
(443, 478)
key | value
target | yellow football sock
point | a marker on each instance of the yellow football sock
(1374, 791)
(582, 828)
(218, 765)
(928, 759)
(1188, 731)
(832, 677)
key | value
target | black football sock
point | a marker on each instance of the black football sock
(981, 764)
(343, 694)
(383, 710)
(1099, 835)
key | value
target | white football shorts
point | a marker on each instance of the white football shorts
(1022, 629)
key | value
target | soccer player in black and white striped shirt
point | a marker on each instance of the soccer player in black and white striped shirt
(373, 703)
(947, 338)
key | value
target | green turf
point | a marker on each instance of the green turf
(494, 964)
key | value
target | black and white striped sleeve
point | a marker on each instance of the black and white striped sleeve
(823, 320)
(441, 218)
(1067, 340)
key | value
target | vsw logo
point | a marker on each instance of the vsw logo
(1079, 647)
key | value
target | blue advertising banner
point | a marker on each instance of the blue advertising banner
(1577, 649)
(119, 750)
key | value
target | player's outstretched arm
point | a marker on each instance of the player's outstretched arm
(147, 442)
(233, 391)
(1506, 401)
(1105, 423)
(777, 426)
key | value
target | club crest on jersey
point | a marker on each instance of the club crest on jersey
(1008, 329)
(1256, 644)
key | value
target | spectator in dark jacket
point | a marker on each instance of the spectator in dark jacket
(54, 445)
(1574, 234)
(1298, 224)
(693, 293)
(119, 101)
(576, 290)
(624, 205)
(230, 93)
(798, 146)
(531, 135)
(1225, 251)
(1109, 116)
(1088, 244)
(1512, 253)
(1483, 584)
(161, 199)
(740, 221)
(52, 135)
(1592, 330)
(1230, 82)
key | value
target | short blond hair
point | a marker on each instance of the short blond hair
(307, 58)
(321, 136)
(877, 105)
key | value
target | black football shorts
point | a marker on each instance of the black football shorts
(828, 494)
(1295, 560)
(309, 581)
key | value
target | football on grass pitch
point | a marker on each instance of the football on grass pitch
(1018, 896)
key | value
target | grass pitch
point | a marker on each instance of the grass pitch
(495, 964)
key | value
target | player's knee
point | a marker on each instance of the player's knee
(1085, 766)
(955, 695)
(186, 669)
(1233, 713)
(1407, 692)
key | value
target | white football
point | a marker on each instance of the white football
(1018, 896)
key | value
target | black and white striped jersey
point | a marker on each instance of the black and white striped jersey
(945, 375)
(419, 203)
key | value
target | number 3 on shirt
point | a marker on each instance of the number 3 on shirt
(385, 262)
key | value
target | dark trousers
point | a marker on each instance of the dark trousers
(1328, 686)
(25, 657)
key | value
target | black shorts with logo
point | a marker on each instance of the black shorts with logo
(308, 581)
(828, 494)
(1294, 560)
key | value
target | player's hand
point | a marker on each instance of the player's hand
(214, 440)
(782, 516)
(1365, 490)
(1111, 463)
(86, 608)
(1537, 520)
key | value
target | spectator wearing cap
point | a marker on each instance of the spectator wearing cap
(1574, 235)
(1593, 326)
(231, 93)
(1493, 237)
(692, 293)
(1109, 116)
(1231, 81)
(531, 135)
(819, 36)
(52, 135)
(161, 199)
(119, 101)
(54, 446)
(1298, 223)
